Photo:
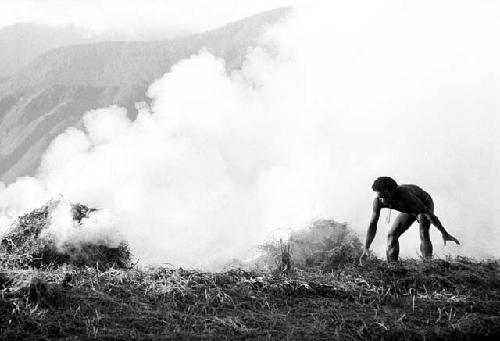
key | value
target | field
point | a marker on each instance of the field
(455, 299)
(309, 287)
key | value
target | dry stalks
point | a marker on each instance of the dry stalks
(442, 299)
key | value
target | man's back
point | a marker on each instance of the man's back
(406, 198)
(420, 194)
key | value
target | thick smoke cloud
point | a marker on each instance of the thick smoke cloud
(97, 228)
(331, 99)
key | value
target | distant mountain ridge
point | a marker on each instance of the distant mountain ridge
(116, 63)
(21, 43)
(54, 91)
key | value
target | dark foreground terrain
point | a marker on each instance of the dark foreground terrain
(440, 300)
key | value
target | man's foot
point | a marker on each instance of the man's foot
(363, 257)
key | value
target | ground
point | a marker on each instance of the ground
(453, 299)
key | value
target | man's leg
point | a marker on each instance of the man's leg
(425, 239)
(401, 224)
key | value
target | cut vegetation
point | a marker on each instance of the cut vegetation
(321, 294)
(25, 245)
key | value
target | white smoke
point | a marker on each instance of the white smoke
(97, 228)
(333, 98)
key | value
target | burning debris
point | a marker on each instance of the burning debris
(326, 244)
(29, 243)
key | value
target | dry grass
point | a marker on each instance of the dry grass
(318, 293)
(25, 247)
(443, 299)
(326, 244)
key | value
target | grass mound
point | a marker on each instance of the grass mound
(26, 246)
(326, 244)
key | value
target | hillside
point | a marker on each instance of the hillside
(23, 42)
(55, 90)
(309, 287)
(440, 300)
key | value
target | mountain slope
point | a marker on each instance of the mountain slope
(23, 42)
(54, 91)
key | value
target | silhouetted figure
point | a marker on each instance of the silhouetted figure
(414, 204)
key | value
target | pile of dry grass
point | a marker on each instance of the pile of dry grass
(326, 244)
(25, 246)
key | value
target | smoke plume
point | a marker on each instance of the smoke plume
(98, 228)
(332, 98)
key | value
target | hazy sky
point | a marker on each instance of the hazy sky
(134, 17)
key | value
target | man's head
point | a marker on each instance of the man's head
(385, 186)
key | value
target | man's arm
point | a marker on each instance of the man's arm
(436, 222)
(419, 207)
(372, 229)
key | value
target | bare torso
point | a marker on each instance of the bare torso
(414, 204)
(404, 199)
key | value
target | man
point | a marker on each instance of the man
(414, 204)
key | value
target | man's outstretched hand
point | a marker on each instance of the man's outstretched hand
(363, 257)
(449, 238)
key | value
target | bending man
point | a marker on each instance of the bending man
(413, 203)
